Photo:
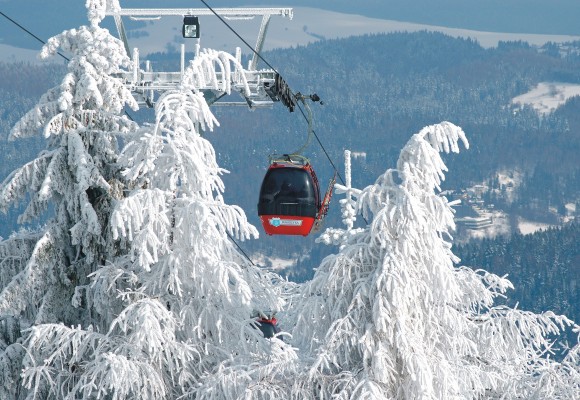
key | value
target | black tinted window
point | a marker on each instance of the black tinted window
(287, 185)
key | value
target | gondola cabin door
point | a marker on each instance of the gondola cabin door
(289, 197)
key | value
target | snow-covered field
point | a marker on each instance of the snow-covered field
(14, 54)
(310, 25)
(547, 96)
(526, 227)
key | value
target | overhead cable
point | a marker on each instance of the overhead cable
(30, 33)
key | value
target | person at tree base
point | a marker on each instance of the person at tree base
(268, 327)
(267, 323)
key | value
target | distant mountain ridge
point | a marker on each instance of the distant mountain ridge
(46, 19)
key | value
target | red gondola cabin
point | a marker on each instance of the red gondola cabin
(289, 201)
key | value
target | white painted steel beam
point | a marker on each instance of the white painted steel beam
(223, 12)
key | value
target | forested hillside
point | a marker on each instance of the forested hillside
(376, 89)
(544, 267)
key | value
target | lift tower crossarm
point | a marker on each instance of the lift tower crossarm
(259, 88)
(231, 13)
(224, 12)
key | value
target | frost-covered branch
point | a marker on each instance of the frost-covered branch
(202, 71)
(27, 287)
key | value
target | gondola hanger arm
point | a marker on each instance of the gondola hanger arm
(302, 98)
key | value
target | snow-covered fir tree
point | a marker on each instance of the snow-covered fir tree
(178, 229)
(76, 176)
(392, 317)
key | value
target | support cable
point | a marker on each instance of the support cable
(43, 42)
(240, 249)
(313, 132)
(256, 53)
(125, 111)
(30, 33)
(241, 38)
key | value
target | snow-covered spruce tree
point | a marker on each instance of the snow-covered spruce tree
(75, 178)
(181, 294)
(391, 317)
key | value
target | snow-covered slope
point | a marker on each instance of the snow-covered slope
(547, 96)
(15, 54)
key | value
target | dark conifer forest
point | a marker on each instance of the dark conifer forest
(544, 267)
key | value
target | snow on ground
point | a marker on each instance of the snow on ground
(547, 96)
(526, 227)
(15, 54)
